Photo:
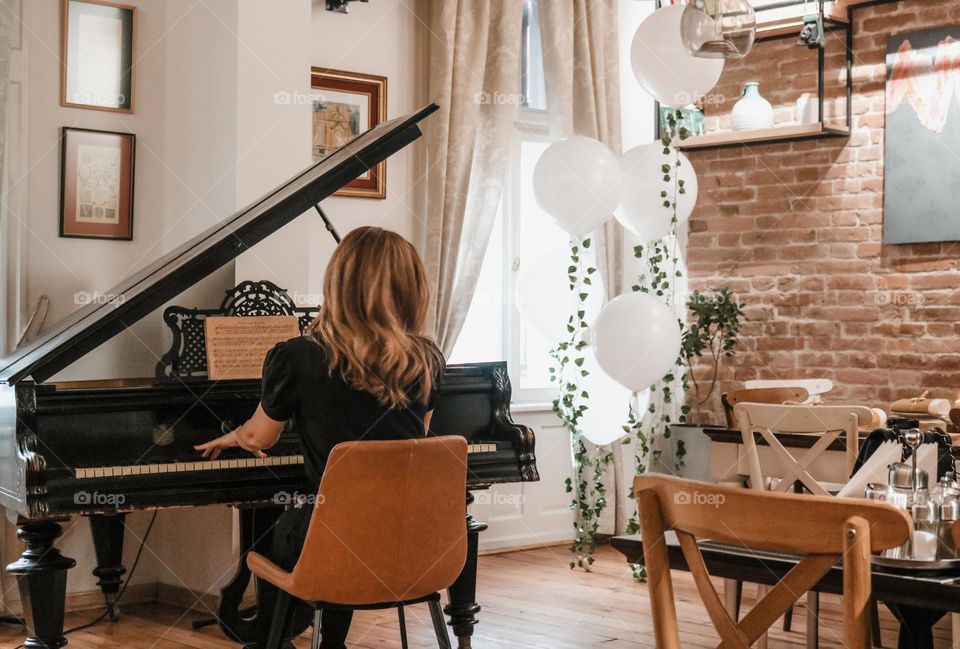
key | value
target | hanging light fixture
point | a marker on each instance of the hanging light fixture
(718, 29)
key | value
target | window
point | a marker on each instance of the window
(522, 233)
(532, 85)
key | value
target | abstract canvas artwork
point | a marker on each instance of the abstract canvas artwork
(922, 143)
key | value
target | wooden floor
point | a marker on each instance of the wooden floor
(530, 599)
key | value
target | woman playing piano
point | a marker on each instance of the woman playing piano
(364, 370)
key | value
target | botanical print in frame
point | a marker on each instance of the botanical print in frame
(345, 104)
(96, 184)
(98, 49)
(922, 137)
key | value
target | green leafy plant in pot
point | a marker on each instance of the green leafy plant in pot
(711, 334)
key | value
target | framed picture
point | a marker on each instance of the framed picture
(345, 104)
(97, 53)
(96, 184)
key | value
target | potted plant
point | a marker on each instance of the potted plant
(709, 337)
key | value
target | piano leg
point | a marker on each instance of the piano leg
(107, 530)
(463, 606)
(256, 533)
(42, 578)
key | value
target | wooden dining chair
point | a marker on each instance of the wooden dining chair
(779, 395)
(814, 387)
(388, 531)
(826, 423)
(822, 529)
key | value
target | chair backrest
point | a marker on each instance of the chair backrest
(815, 387)
(760, 395)
(389, 523)
(823, 529)
(830, 422)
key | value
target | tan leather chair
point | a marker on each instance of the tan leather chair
(388, 530)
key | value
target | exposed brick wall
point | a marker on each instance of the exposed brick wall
(794, 229)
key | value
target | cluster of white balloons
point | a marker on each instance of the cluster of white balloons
(581, 183)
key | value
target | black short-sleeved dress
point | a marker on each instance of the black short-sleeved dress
(325, 411)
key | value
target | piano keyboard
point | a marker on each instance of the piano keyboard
(216, 465)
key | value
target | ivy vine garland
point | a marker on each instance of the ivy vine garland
(643, 429)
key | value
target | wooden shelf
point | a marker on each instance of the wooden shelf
(834, 17)
(763, 136)
(792, 26)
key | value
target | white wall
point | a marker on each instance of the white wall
(536, 513)
(374, 38)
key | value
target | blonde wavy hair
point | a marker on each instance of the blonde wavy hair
(375, 300)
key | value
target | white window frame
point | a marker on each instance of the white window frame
(531, 125)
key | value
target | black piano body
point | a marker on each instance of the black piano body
(104, 448)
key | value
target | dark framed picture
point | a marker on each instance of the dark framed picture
(345, 104)
(96, 184)
(97, 54)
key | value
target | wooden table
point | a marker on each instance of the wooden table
(917, 600)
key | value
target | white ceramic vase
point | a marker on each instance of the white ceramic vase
(752, 111)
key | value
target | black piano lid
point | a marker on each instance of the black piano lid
(148, 289)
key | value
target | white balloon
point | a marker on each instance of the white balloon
(662, 64)
(577, 182)
(641, 208)
(608, 406)
(636, 339)
(587, 335)
(544, 298)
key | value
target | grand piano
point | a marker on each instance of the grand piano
(101, 449)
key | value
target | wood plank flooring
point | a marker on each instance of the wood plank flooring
(530, 599)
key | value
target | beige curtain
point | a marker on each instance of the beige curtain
(472, 49)
(7, 338)
(581, 66)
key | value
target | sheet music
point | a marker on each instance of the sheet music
(236, 346)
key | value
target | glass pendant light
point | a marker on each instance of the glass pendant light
(718, 29)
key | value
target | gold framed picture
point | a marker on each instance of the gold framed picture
(345, 104)
(96, 184)
(97, 55)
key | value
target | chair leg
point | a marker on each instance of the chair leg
(762, 591)
(813, 620)
(439, 625)
(732, 594)
(788, 620)
(875, 624)
(317, 626)
(403, 627)
(282, 613)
